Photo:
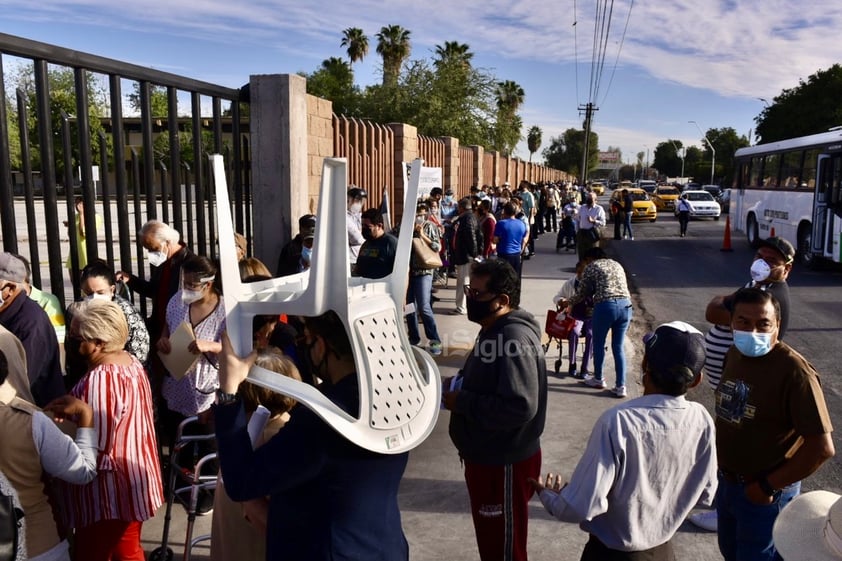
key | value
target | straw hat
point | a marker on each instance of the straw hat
(810, 528)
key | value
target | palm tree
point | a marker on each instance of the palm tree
(337, 67)
(453, 51)
(533, 140)
(509, 96)
(393, 45)
(357, 43)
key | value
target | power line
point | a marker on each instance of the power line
(619, 49)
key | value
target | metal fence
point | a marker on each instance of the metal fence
(131, 141)
(370, 150)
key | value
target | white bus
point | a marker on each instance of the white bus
(792, 188)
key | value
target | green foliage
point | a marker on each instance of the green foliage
(726, 141)
(533, 140)
(14, 133)
(453, 51)
(565, 152)
(335, 81)
(157, 100)
(393, 45)
(667, 159)
(809, 108)
(356, 42)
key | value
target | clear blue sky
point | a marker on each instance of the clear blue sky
(683, 60)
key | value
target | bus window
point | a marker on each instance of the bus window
(808, 171)
(755, 170)
(791, 169)
(771, 171)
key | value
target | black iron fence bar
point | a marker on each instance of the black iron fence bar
(28, 189)
(196, 102)
(138, 222)
(106, 198)
(175, 157)
(165, 193)
(27, 48)
(217, 124)
(120, 179)
(239, 173)
(188, 195)
(69, 199)
(83, 129)
(7, 202)
(48, 176)
(148, 152)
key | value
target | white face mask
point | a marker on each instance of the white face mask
(356, 208)
(420, 219)
(760, 270)
(190, 296)
(157, 258)
(98, 296)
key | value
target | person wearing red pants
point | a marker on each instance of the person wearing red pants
(498, 407)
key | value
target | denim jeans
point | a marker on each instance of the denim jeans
(419, 294)
(745, 529)
(627, 229)
(614, 316)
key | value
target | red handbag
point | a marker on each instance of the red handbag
(559, 325)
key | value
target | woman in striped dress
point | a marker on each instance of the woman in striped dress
(108, 512)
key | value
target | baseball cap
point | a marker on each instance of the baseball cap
(12, 269)
(449, 191)
(357, 193)
(676, 350)
(781, 245)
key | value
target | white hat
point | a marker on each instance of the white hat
(810, 528)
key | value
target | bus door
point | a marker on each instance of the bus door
(827, 207)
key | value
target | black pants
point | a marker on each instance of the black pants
(683, 219)
(595, 550)
(550, 219)
(618, 222)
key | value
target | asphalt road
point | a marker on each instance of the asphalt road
(674, 278)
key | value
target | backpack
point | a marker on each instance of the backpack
(11, 524)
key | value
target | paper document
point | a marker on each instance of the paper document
(180, 360)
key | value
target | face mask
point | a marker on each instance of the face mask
(760, 270)
(190, 296)
(420, 219)
(367, 234)
(98, 296)
(478, 310)
(156, 258)
(448, 199)
(306, 253)
(753, 344)
(356, 208)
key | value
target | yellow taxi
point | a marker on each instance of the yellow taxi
(598, 188)
(665, 197)
(644, 208)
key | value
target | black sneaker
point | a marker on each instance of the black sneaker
(572, 371)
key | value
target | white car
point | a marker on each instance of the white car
(702, 205)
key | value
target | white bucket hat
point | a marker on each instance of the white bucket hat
(810, 528)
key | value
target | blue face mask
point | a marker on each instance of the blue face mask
(306, 253)
(753, 344)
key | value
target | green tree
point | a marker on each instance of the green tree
(533, 140)
(13, 131)
(356, 42)
(667, 158)
(510, 97)
(334, 80)
(726, 141)
(453, 51)
(62, 86)
(565, 152)
(393, 45)
(158, 100)
(811, 107)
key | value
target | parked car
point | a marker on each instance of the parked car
(724, 200)
(665, 196)
(647, 185)
(702, 205)
(714, 190)
(598, 188)
(644, 208)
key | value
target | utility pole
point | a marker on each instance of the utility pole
(588, 109)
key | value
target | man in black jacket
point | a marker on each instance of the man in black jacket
(498, 407)
(466, 247)
(290, 259)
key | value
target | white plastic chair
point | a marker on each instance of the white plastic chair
(400, 385)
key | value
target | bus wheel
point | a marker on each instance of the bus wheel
(805, 247)
(752, 233)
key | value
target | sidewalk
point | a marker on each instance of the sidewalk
(433, 498)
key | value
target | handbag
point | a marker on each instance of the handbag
(423, 256)
(559, 325)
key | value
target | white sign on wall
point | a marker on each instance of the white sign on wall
(430, 177)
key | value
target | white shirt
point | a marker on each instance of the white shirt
(647, 464)
(585, 212)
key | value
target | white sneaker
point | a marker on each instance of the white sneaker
(619, 391)
(593, 382)
(706, 520)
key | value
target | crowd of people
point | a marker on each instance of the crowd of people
(84, 436)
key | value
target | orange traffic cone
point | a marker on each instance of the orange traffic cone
(726, 241)
(772, 232)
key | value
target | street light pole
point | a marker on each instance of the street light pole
(712, 150)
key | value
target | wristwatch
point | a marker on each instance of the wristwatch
(223, 398)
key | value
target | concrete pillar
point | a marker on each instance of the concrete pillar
(406, 150)
(450, 171)
(496, 178)
(479, 159)
(279, 160)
